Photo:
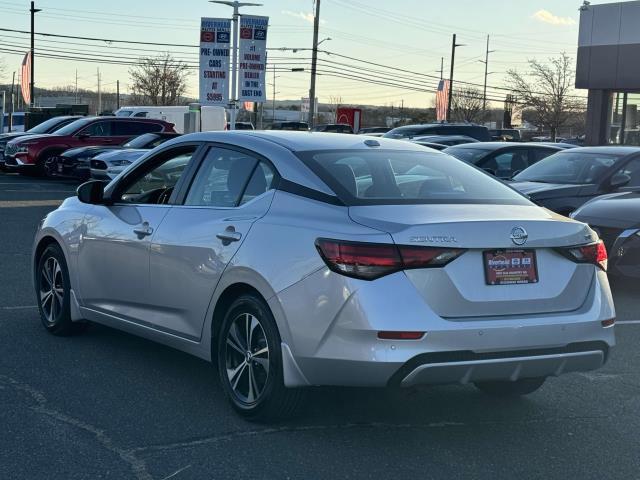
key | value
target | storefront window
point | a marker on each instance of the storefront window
(625, 121)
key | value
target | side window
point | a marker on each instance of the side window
(98, 129)
(537, 154)
(221, 179)
(262, 180)
(506, 163)
(141, 115)
(129, 129)
(155, 184)
(633, 170)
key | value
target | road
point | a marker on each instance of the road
(109, 405)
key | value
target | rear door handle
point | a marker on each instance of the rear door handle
(229, 235)
(144, 230)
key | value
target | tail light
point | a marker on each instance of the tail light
(369, 261)
(595, 253)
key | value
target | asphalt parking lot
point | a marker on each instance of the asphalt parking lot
(109, 405)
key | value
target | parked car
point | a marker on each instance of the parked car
(561, 145)
(567, 179)
(300, 126)
(241, 126)
(505, 135)
(108, 165)
(435, 146)
(410, 131)
(76, 162)
(30, 154)
(616, 219)
(48, 126)
(502, 159)
(420, 269)
(333, 128)
(448, 140)
(370, 130)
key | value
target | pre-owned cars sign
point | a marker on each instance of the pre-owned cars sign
(252, 58)
(215, 47)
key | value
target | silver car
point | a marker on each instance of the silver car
(292, 259)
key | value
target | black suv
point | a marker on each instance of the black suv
(410, 131)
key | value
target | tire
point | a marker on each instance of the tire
(521, 387)
(266, 398)
(53, 293)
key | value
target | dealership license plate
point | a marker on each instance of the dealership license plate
(510, 267)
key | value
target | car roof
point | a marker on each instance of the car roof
(446, 137)
(297, 141)
(496, 145)
(610, 149)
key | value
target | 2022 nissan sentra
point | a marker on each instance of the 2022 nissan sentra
(293, 259)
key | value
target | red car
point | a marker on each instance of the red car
(29, 154)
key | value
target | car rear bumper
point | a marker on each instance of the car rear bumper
(334, 338)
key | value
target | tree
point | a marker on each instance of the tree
(546, 88)
(3, 68)
(466, 105)
(159, 80)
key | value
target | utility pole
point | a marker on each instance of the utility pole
(234, 59)
(314, 62)
(453, 60)
(99, 109)
(76, 86)
(13, 82)
(273, 109)
(117, 94)
(486, 74)
(33, 11)
(441, 68)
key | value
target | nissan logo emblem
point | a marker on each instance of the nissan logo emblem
(519, 236)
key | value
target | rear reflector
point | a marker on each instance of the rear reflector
(400, 335)
(369, 261)
(595, 253)
(608, 323)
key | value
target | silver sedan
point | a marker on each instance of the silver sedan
(292, 259)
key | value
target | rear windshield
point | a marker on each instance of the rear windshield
(387, 177)
(72, 127)
(471, 155)
(569, 168)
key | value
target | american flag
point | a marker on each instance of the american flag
(442, 100)
(25, 73)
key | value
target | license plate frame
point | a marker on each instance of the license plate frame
(510, 267)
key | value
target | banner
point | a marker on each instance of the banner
(252, 58)
(215, 49)
(25, 78)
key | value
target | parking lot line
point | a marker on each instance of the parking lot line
(628, 322)
(19, 307)
(29, 203)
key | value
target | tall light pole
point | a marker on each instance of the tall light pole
(454, 45)
(33, 11)
(486, 74)
(234, 59)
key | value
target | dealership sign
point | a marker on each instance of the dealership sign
(215, 48)
(252, 58)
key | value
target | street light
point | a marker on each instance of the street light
(324, 40)
(234, 62)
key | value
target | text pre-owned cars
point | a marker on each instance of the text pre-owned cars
(294, 259)
(616, 218)
(76, 162)
(567, 179)
(29, 154)
(48, 126)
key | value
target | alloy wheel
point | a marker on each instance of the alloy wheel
(51, 289)
(247, 358)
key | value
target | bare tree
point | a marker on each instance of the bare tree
(466, 105)
(334, 102)
(159, 80)
(546, 88)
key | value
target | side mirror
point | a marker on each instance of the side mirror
(619, 180)
(92, 192)
(83, 136)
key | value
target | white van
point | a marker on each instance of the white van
(212, 118)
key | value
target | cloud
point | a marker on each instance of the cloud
(546, 16)
(307, 17)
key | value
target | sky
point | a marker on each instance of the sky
(406, 39)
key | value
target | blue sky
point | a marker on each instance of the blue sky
(405, 34)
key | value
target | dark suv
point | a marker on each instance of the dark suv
(333, 128)
(29, 154)
(410, 131)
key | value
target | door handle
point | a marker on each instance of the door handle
(229, 235)
(144, 230)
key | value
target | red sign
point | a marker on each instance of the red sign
(246, 33)
(208, 37)
(350, 116)
(510, 267)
